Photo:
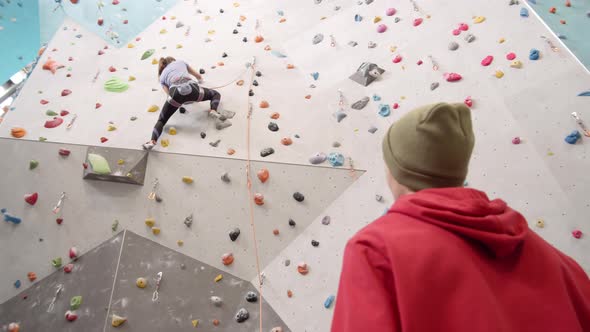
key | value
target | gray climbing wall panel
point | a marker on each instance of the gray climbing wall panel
(184, 293)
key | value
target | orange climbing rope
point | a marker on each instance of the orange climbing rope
(251, 194)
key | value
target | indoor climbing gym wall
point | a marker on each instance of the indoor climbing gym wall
(239, 223)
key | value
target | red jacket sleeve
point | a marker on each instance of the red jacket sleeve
(366, 295)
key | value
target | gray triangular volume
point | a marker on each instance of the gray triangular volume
(115, 165)
(366, 73)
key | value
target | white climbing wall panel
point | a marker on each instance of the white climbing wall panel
(543, 177)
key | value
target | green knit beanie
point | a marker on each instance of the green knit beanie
(430, 147)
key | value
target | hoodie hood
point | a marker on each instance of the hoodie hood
(468, 213)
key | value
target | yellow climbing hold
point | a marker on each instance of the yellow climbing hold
(377, 19)
(540, 223)
(187, 179)
(402, 97)
(516, 64)
(130, 45)
(218, 278)
(172, 131)
(141, 282)
(392, 48)
(172, 17)
(499, 74)
(501, 40)
(131, 78)
(120, 162)
(163, 31)
(154, 61)
(211, 32)
(180, 243)
(236, 4)
(156, 230)
(165, 142)
(118, 320)
(206, 17)
(111, 128)
(153, 108)
(150, 222)
(195, 322)
(178, 45)
(478, 19)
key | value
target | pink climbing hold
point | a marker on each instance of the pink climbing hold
(487, 60)
(97, 106)
(468, 101)
(115, 2)
(31, 199)
(577, 234)
(390, 11)
(64, 113)
(456, 32)
(381, 28)
(395, 106)
(516, 140)
(73, 252)
(44, 102)
(66, 92)
(68, 268)
(463, 27)
(452, 77)
(419, 63)
(112, 69)
(100, 52)
(510, 56)
(418, 21)
(125, 21)
(64, 152)
(53, 123)
(397, 59)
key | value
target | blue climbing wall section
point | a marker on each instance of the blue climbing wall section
(19, 35)
(122, 20)
(575, 27)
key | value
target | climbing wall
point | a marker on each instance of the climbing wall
(521, 111)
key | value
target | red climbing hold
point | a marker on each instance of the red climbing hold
(125, 21)
(456, 32)
(73, 253)
(64, 113)
(468, 101)
(452, 77)
(115, 2)
(487, 60)
(59, 221)
(64, 152)
(577, 234)
(419, 63)
(510, 56)
(44, 102)
(66, 92)
(100, 21)
(31, 198)
(54, 123)
(259, 199)
(103, 139)
(463, 26)
(68, 268)
(397, 59)
(395, 106)
(568, 3)
(71, 315)
(112, 69)
(418, 21)
(97, 106)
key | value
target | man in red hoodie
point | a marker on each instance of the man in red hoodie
(445, 258)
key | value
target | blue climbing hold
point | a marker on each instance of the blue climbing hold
(329, 301)
(524, 12)
(376, 98)
(315, 75)
(278, 54)
(358, 18)
(10, 218)
(584, 94)
(573, 137)
(561, 36)
(336, 159)
(384, 110)
(17, 284)
(534, 54)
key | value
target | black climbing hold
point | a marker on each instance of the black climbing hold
(255, 83)
(221, 11)
(239, 24)
(251, 297)
(297, 136)
(267, 152)
(40, 239)
(245, 40)
(224, 55)
(203, 135)
(235, 31)
(292, 223)
(201, 71)
(234, 233)
(273, 126)
(158, 198)
(315, 243)
(250, 93)
(258, 73)
(242, 315)
(182, 266)
(298, 197)
(182, 110)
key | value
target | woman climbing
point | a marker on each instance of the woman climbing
(175, 78)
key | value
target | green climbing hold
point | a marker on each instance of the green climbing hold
(56, 262)
(33, 164)
(115, 84)
(148, 53)
(42, 139)
(99, 164)
(115, 225)
(75, 302)
(50, 113)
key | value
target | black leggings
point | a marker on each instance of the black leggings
(194, 93)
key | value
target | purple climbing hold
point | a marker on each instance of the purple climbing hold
(381, 28)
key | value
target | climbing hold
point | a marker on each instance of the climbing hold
(56, 262)
(156, 230)
(452, 77)
(390, 11)
(329, 301)
(573, 137)
(71, 315)
(31, 198)
(433, 86)
(289, 293)
(217, 301)
(97, 105)
(336, 144)
(32, 276)
(258, 39)
(524, 12)
(150, 222)
(75, 302)
(141, 282)
(266, 152)
(371, 44)
(487, 60)
(99, 164)
(516, 64)
(315, 243)
(225, 178)
(264, 104)
(397, 59)
(172, 131)
(13, 327)
(52, 65)
(59, 221)
(463, 26)
(510, 56)
(326, 220)
(277, 329)
(64, 113)
(568, 3)
(298, 197)
(318, 158)
(478, 19)
(359, 105)
(44, 102)
(242, 315)
(584, 94)
(302, 268)
(286, 141)
(73, 253)
(372, 129)
(216, 322)
(275, 231)
(453, 46)
(317, 39)
(234, 234)
(227, 259)
(112, 69)
(418, 21)
(292, 223)
(469, 38)
(251, 297)
(18, 132)
(259, 199)
(263, 175)
(64, 152)
(10, 218)
(381, 28)
(384, 110)
(340, 115)
(50, 113)
(456, 32)
(534, 54)
(272, 126)
(315, 75)
(577, 234)
(117, 321)
(188, 221)
(290, 66)
(65, 92)
(336, 159)
(115, 84)
(516, 140)
(358, 18)
(377, 19)
(187, 179)
(468, 101)
(499, 74)
(17, 284)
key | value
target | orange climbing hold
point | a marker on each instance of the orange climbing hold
(221, 64)
(18, 132)
(231, 151)
(275, 231)
(264, 104)
(259, 199)
(562, 21)
(303, 268)
(32, 276)
(568, 3)
(267, 48)
(51, 65)
(240, 83)
(259, 39)
(290, 66)
(263, 175)
(289, 293)
(216, 322)
(308, 97)
(282, 20)
(286, 141)
(275, 115)
(552, 10)
(227, 259)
